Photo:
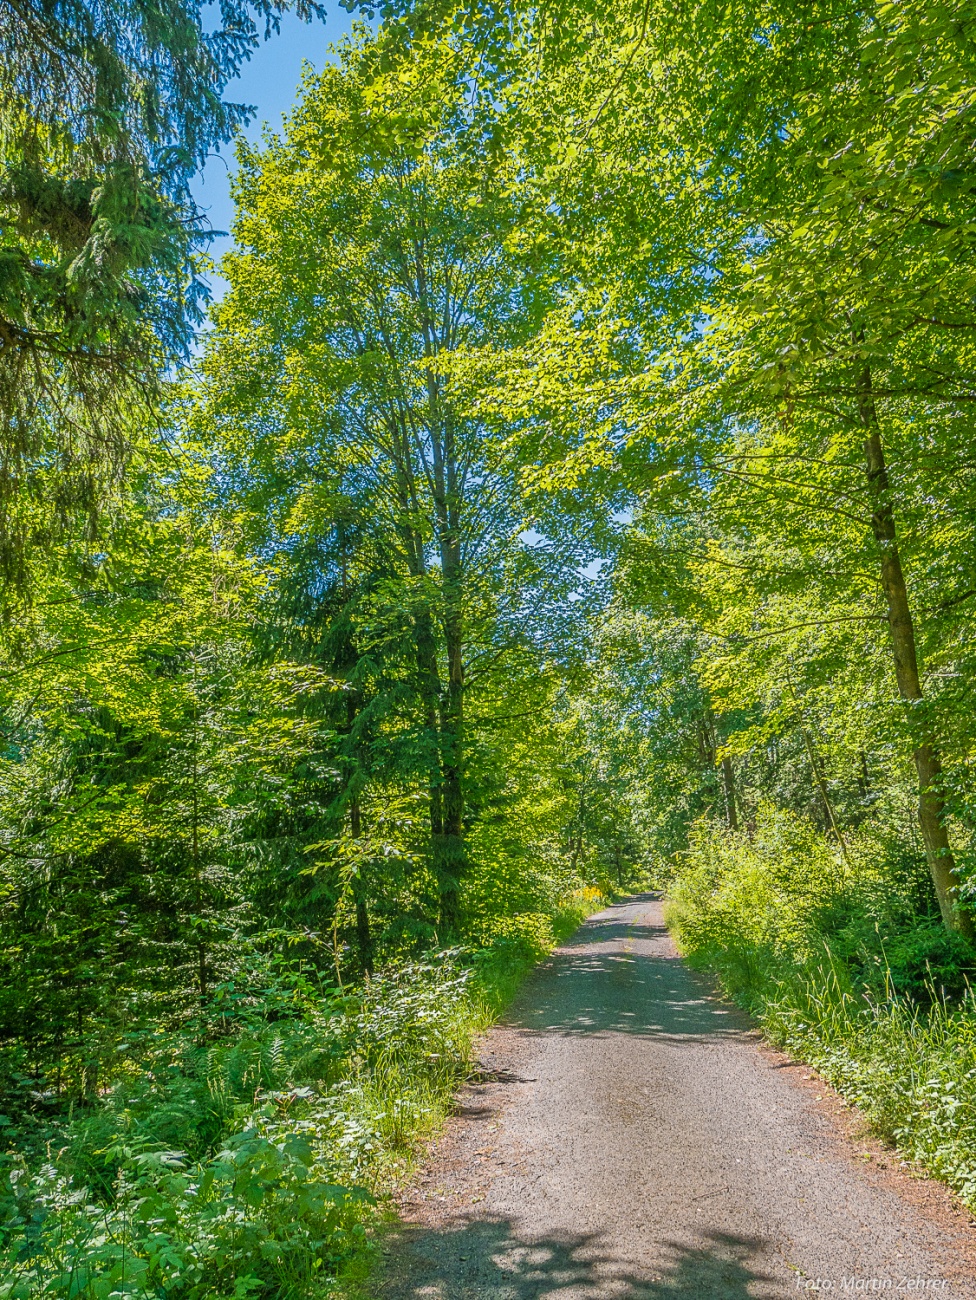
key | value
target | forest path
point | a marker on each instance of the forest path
(631, 1138)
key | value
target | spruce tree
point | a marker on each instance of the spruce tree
(106, 111)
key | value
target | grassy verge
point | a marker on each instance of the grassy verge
(248, 1153)
(843, 967)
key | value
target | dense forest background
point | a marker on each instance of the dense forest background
(574, 490)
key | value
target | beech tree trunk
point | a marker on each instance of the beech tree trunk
(816, 768)
(863, 775)
(928, 764)
(449, 857)
(728, 781)
(364, 937)
(430, 685)
(444, 708)
(428, 672)
(449, 851)
(708, 741)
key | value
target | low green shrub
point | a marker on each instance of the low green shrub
(833, 953)
(505, 947)
(242, 1164)
(528, 934)
(243, 1153)
(925, 964)
(910, 1068)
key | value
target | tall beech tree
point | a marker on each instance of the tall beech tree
(853, 300)
(377, 239)
(686, 290)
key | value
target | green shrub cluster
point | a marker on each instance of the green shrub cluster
(841, 956)
(245, 1152)
(506, 946)
(242, 1155)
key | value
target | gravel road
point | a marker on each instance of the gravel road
(631, 1138)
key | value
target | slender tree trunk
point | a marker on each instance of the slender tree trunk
(428, 673)
(444, 717)
(706, 742)
(447, 493)
(202, 973)
(576, 837)
(820, 780)
(364, 938)
(928, 764)
(430, 686)
(430, 690)
(709, 742)
(863, 775)
(816, 767)
(449, 852)
(728, 781)
(449, 856)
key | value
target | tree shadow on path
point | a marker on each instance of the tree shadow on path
(487, 1259)
(620, 974)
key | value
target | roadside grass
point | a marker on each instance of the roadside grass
(251, 1152)
(832, 957)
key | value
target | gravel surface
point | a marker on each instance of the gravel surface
(630, 1137)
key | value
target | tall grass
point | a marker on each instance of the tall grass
(846, 969)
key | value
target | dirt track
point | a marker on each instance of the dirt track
(631, 1138)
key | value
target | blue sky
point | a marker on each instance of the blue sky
(268, 81)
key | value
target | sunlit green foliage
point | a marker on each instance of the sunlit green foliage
(299, 712)
(846, 967)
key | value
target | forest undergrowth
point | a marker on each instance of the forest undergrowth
(825, 947)
(251, 1151)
